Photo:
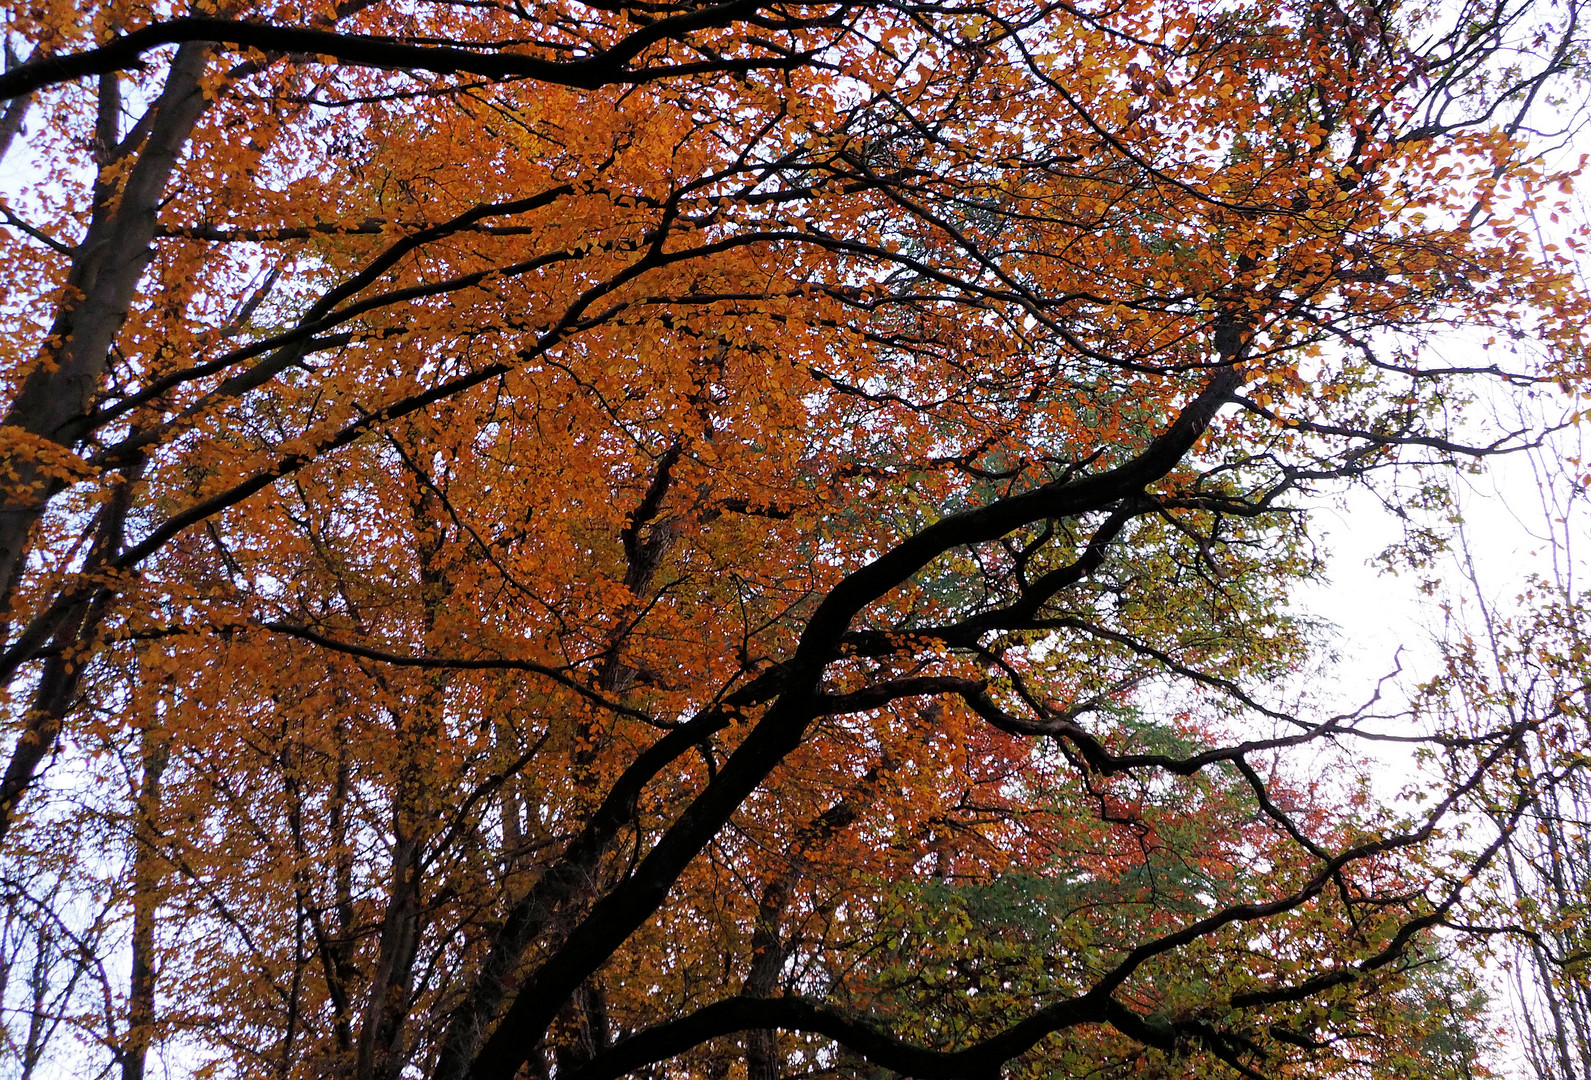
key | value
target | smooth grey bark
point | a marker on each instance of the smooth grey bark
(57, 396)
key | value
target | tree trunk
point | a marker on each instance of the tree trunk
(146, 901)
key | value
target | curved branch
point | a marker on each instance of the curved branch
(981, 1061)
(609, 67)
(986, 523)
(460, 663)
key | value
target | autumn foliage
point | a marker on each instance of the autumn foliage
(579, 540)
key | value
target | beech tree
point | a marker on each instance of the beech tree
(588, 540)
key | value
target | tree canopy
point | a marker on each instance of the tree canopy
(738, 538)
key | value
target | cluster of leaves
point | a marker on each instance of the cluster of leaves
(583, 539)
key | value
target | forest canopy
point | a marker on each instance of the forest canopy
(578, 540)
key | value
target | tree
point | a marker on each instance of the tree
(1525, 660)
(583, 540)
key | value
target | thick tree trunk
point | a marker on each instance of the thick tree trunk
(768, 952)
(381, 1044)
(61, 389)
